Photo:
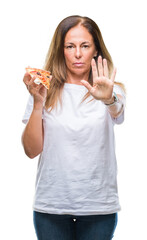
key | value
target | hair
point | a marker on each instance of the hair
(55, 61)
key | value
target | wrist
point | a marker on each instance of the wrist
(112, 101)
(38, 106)
(38, 103)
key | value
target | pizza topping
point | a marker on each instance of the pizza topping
(39, 73)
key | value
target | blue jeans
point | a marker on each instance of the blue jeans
(69, 227)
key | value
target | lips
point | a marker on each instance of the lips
(78, 64)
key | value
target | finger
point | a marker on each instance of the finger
(87, 85)
(106, 72)
(50, 78)
(94, 69)
(42, 89)
(113, 75)
(100, 67)
(37, 86)
(26, 78)
(31, 85)
(31, 82)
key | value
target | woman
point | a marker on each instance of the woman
(71, 127)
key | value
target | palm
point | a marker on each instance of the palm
(102, 86)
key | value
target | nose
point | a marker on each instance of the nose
(78, 52)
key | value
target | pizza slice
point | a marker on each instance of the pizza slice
(42, 76)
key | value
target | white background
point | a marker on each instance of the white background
(26, 30)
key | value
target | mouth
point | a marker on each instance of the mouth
(78, 64)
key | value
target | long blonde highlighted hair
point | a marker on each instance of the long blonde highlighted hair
(55, 61)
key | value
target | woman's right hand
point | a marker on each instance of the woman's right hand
(39, 92)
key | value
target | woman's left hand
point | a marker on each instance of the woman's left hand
(102, 88)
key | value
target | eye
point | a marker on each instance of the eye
(69, 47)
(85, 46)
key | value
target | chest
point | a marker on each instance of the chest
(74, 119)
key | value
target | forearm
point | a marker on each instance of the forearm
(32, 138)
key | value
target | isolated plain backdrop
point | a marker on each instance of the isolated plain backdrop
(26, 31)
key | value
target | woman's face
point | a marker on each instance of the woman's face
(79, 49)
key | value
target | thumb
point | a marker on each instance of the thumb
(87, 85)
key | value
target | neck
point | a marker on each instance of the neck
(76, 79)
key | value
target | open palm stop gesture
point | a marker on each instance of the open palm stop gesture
(102, 88)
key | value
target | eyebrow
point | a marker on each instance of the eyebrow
(81, 43)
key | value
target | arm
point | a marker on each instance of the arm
(32, 137)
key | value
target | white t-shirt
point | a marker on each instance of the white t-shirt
(77, 170)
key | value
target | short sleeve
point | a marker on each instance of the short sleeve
(28, 110)
(118, 90)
